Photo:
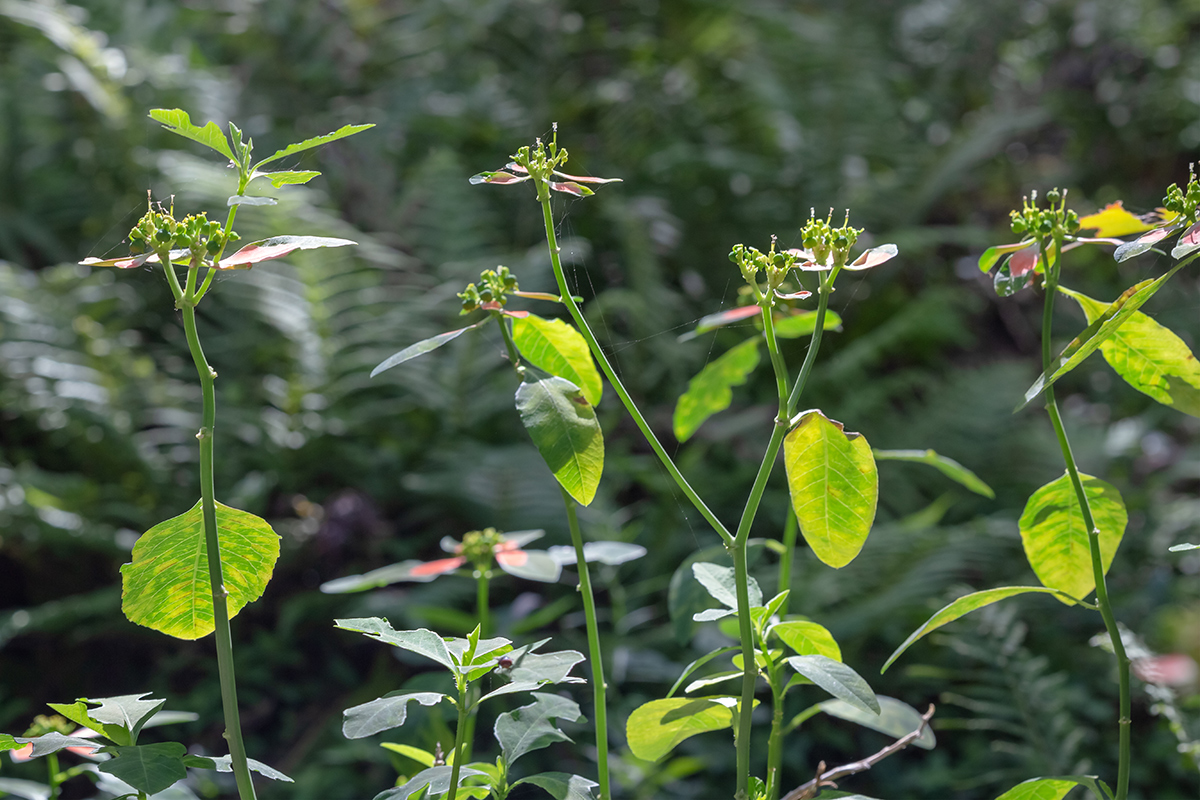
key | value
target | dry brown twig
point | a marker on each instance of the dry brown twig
(826, 778)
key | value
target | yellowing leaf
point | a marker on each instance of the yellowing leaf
(654, 729)
(1114, 220)
(554, 346)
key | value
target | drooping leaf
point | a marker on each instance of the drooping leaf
(993, 254)
(896, 719)
(316, 141)
(531, 727)
(1144, 242)
(570, 187)
(807, 638)
(1188, 243)
(563, 426)
(1056, 540)
(838, 679)
(530, 565)
(149, 768)
(49, 743)
(225, 764)
(1039, 789)
(130, 262)
(874, 257)
(383, 714)
(166, 586)
(834, 486)
(610, 553)
(421, 641)
(421, 348)
(1099, 331)
(287, 177)
(1114, 220)
(656, 728)
(1150, 357)
(947, 466)
(585, 178)
(720, 582)
(709, 392)
(794, 326)
(963, 606)
(1006, 284)
(277, 247)
(177, 121)
(699, 662)
(383, 576)
(553, 346)
(563, 786)
(436, 778)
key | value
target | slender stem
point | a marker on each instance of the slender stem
(823, 291)
(790, 528)
(775, 743)
(224, 640)
(208, 279)
(1124, 720)
(482, 606)
(630, 406)
(55, 775)
(599, 687)
(459, 749)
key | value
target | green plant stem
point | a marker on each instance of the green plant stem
(599, 687)
(224, 640)
(482, 605)
(55, 778)
(208, 279)
(464, 707)
(775, 743)
(824, 290)
(1124, 721)
(790, 528)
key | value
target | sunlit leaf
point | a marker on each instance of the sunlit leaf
(895, 718)
(1114, 220)
(947, 466)
(586, 178)
(563, 786)
(534, 670)
(166, 586)
(993, 254)
(963, 606)
(834, 486)
(610, 553)
(531, 565)
(656, 728)
(277, 247)
(531, 727)
(1056, 540)
(149, 768)
(385, 576)
(49, 743)
(250, 200)
(710, 391)
(1188, 243)
(497, 177)
(563, 426)
(316, 141)
(569, 187)
(436, 778)
(26, 790)
(225, 764)
(1179, 548)
(178, 121)
(421, 348)
(874, 257)
(838, 679)
(1144, 242)
(713, 321)
(422, 757)
(804, 323)
(287, 177)
(113, 716)
(807, 638)
(383, 714)
(1040, 789)
(129, 262)
(421, 641)
(554, 346)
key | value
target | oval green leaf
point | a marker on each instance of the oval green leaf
(166, 585)
(1040, 789)
(656, 728)
(807, 639)
(563, 426)
(897, 719)
(947, 466)
(838, 679)
(963, 606)
(834, 486)
(1056, 540)
(709, 392)
(804, 323)
(1149, 356)
(554, 346)
(383, 714)
(149, 768)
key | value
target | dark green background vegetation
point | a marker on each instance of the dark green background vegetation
(727, 121)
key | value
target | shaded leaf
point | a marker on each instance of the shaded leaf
(225, 764)
(316, 141)
(896, 719)
(721, 583)
(422, 757)
(28, 790)
(531, 727)
(166, 586)
(563, 786)
(49, 743)
(421, 641)
(1056, 540)
(963, 606)
(656, 728)
(807, 638)
(1006, 284)
(436, 778)
(804, 323)
(421, 348)
(834, 486)
(709, 392)
(277, 247)
(554, 346)
(149, 768)
(177, 121)
(532, 565)
(384, 576)
(699, 662)
(383, 714)
(838, 679)
(563, 426)
(610, 553)
(947, 466)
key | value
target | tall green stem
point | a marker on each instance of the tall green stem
(775, 743)
(599, 687)
(233, 727)
(1110, 623)
(460, 755)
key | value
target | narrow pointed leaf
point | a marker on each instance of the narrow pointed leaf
(838, 679)
(436, 778)
(804, 323)
(570, 187)
(287, 177)
(531, 727)
(1099, 331)
(1056, 540)
(421, 641)
(563, 426)
(498, 177)
(1114, 220)
(610, 553)
(834, 486)
(713, 321)
(657, 728)
(422, 757)
(1040, 789)
(586, 178)
(316, 141)
(710, 391)
(699, 662)
(1143, 243)
(421, 348)
(384, 576)
(178, 121)
(149, 768)
(166, 586)
(963, 606)
(49, 743)
(563, 786)
(1179, 548)
(1188, 243)
(993, 254)
(807, 639)
(1150, 357)
(250, 200)
(947, 466)
(225, 764)
(383, 714)
(277, 247)
(554, 346)
(896, 719)
(531, 565)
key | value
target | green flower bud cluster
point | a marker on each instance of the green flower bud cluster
(1184, 202)
(159, 231)
(54, 723)
(494, 287)
(541, 160)
(829, 246)
(478, 547)
(751, 261)
(1055, 220)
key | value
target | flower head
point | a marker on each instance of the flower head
(540, 164)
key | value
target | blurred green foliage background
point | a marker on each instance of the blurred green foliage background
(727, 122)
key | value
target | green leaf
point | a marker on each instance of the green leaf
(287, 177)
(422, 347)
(699, 662)
(563, 786)
(120, 719)
(166, 586)
(554, 346)
(421, 641)
(709, 392)
(960, 608)
(531, 727)
(534, 670)
(1099, 331)
(422, 757)
(1039, 789)
(316, 141)
(383, 714)
(1150, 357)
(947, 466)
(436, 778)
(721, 583)
(834, 486)
(225, 764)
(794, 326)
(656, 728)
(1056, 540)
(993, 254)
(149, 768)
(177, 121)
(563, 426)
(7, 742)
(896, 719)
(807, 638)
(838, 679)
